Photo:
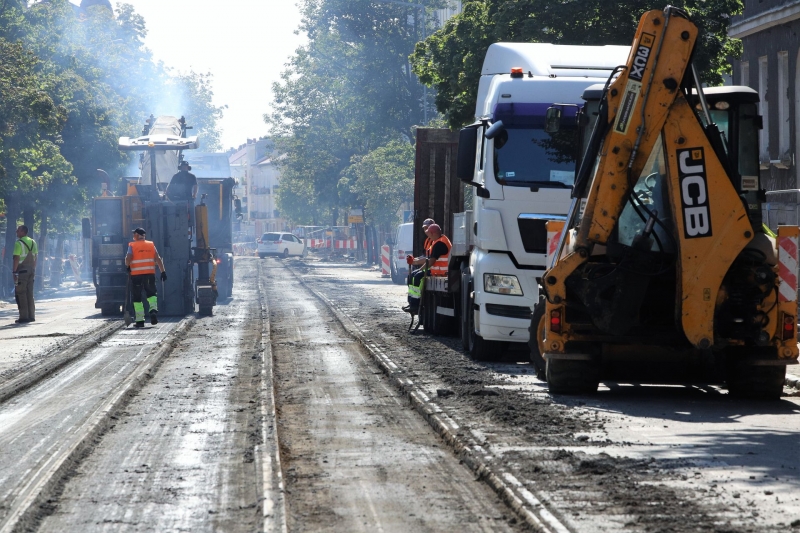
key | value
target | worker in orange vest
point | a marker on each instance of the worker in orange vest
(437, 257)
(141, 260)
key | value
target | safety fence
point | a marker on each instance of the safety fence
(335, 244)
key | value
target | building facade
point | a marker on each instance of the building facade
(769, 33)
(254, 165)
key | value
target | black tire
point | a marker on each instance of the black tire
(480, 349)
(466, 308)
(285, 254)
(434, 324)
(755, 382)
(396, 279)
(188, 291)
(567, 376)
(206, 311)
(536, 339)
(110, 310)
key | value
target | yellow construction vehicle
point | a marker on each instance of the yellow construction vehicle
(663, 262)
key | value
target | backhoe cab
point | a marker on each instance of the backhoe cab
(663, 263)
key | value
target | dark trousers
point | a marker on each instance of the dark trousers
(144, 282)
(23, 293)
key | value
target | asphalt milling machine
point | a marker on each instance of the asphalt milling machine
(179, 229)
(664, 263)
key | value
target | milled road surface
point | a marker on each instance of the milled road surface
(355, 456)
(194, 448)
(181, 455)
(59, 321)
(632, 457)
(42, 423)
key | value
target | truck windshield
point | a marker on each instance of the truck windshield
(532, 156)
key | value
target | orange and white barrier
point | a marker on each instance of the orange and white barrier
(787, 263)
(554, 230)
(320, 244)
(386, 269)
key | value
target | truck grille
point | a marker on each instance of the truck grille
(509, 311)
(534, 235)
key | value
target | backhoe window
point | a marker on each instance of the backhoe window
(748, 142)
(532, 156)
(652, 192)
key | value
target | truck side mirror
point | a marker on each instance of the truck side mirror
(495, 129)
(467, 145)
(552, 120)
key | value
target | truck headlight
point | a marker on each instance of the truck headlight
(502, 284)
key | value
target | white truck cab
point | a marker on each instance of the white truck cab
(522, 176)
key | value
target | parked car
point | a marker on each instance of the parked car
(403, 246)
(281, 244)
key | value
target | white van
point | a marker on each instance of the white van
(403, 246)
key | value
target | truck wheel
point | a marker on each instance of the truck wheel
(755, 382)
(397, 279)
(466, 308)
(480, 349)
(536, 339)
(109, 310)
(429, 308)
(568, 376)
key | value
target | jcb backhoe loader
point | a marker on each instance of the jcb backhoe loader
(663, 261)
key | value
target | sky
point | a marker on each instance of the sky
(243, 43)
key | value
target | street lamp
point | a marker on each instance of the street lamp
(422, 8)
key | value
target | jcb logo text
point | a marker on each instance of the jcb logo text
(694, 193)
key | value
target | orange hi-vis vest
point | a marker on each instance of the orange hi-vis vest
(439, 268)
(144, 258)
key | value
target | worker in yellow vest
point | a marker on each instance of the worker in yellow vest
(24, 269)
(141, 260)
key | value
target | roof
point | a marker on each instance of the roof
(544, 59)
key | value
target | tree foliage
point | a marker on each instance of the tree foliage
(382, 180)
(349, 91)
(72, 81)
(451, 59)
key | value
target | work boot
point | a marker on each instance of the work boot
(139, 324)
(153, 317)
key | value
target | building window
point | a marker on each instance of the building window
(745, 74)
(784, 139)
(763, 109)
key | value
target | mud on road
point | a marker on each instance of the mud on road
(576, 453)
(355, 457)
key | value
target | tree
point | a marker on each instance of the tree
(383, 179)
(70, 86)
(451, 59)
(346, 93)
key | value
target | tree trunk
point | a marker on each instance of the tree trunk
(29, 220)
(57, 265)
(12, 217)
(38, 284)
